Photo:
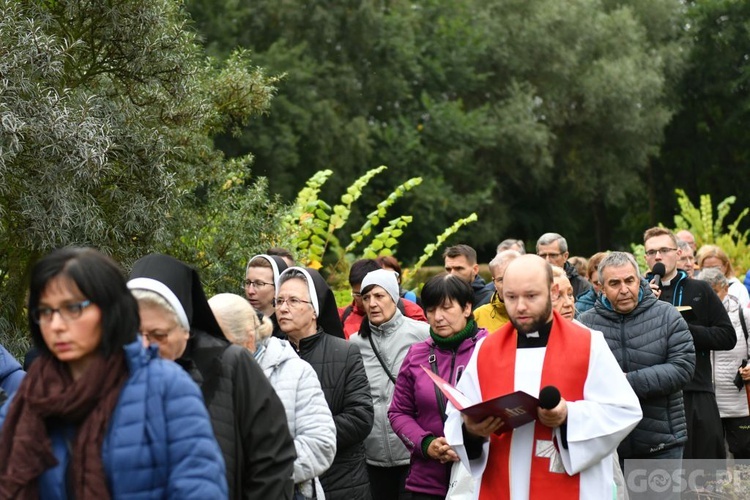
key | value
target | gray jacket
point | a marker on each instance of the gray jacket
(392, 339)
(654, 348)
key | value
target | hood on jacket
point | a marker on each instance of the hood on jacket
(324, 302)
(183, 281)
(277, 352)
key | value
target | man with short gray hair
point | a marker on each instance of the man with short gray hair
(653, 346)
(554, 249)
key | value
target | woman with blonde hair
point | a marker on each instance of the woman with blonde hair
(713, 257)
(295, 382)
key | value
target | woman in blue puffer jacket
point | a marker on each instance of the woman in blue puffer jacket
(97, 416)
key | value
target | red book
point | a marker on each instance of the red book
(515, 409)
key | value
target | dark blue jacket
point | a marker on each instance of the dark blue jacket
(159, 444)
(653, 346)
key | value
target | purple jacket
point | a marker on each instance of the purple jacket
(415, 412)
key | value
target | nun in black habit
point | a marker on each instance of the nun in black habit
(247, 416)
(307, 313)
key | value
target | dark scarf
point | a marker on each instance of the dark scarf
(455, 340)
(49, 392)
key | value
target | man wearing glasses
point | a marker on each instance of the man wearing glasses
(711, 330)
(553, 248)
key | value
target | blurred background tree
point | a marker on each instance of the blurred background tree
(107, 113)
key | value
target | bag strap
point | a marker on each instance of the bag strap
(346, 314)
(438, 392)
(380, 359)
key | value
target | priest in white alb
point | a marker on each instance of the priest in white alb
(565, 454)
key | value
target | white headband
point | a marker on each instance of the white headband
(310, 287)
(160, 288)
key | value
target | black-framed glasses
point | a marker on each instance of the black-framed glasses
(68, 312)
(292, 302)
(662, 251)
(257, 284)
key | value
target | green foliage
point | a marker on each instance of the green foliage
(709, 230)
(539, 114)
(315, 222)
(433, 247)
(108, 112)
(219, 228)
(374, 217)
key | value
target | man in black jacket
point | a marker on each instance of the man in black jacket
(653, 346)
(711, 330)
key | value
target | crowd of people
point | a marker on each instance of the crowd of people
(141, 386)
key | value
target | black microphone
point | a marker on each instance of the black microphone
(659, 271)
(549, 397)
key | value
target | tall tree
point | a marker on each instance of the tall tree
(106, 115)
(539, 115)
(707, 145)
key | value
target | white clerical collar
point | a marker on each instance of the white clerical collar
(666, 282)
(532, 335)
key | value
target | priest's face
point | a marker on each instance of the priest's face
(621, 286)
(527, 293)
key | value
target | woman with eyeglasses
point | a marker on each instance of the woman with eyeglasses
(97, 416)
(304, 306)
(247, 416)
(261, 280)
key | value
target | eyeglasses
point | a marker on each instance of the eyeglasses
(68, 312)
(292, 302)
(549, 255)
(663, 251)
(498, 280)
(687, 258)
(157, 336)
(258, 285)
(356, 295)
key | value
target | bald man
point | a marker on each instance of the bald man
(566, 453)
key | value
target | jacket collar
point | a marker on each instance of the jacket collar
(389, 326)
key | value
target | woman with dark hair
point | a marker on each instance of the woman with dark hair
(304, 306)
(247, 416)
(417, 413)
(97, 416)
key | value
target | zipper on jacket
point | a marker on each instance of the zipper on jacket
(453, 365)
(623, 346)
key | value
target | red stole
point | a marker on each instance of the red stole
(566, 364)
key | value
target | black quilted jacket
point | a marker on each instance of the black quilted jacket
(654, 348)
(248, 418)
(342, 375)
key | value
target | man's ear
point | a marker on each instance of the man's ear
(566, 255)
(475, 269)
